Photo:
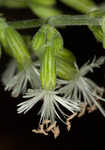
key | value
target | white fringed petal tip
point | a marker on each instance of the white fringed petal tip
(51, 104)
(17, 82)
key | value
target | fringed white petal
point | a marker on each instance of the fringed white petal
(17, 83)
(51, 104)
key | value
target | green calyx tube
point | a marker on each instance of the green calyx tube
(103, 29)
(66, 55)
(48, 69)
(17, 47)
(3, 40)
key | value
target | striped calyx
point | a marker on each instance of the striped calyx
(17, 47)
(97, 30)
(98, 33)
(48, 70)
(65, 70)
(103, 29)
(3, 41)
(66, 55)
(46, 36)
(65, 61)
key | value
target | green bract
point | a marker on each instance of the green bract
(17, 47)
(48, 70)
(47, 36)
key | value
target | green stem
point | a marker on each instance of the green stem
(64, 20)
(57, 21)
(24, 24)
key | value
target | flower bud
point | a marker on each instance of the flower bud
(17, 46)
(65, 70)
(48, 71)
(46, 36)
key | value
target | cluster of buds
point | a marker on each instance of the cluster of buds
(49, 73)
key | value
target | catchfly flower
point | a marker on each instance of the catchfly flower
(52, 101)
(22, 71)
(81, 87)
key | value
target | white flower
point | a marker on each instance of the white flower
(51, 104)
(83, 87)
(17, 82)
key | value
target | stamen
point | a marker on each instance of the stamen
(40, 130)
(71, 116)
(51, 126)
(68, 123)
(94, 107)
(84, 106)
(56, 132)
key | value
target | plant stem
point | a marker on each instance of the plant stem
(25, 24)
(57, 21)
(69, 20)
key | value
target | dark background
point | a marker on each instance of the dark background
(86, 132)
